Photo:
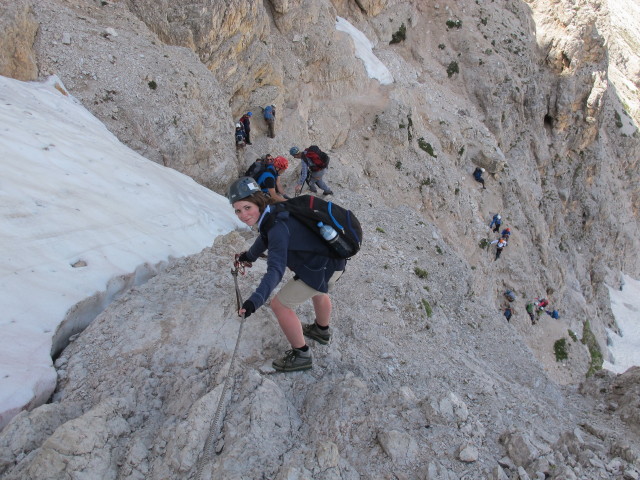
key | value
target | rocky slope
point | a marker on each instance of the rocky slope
(425, 379)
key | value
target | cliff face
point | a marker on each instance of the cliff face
(542, 94)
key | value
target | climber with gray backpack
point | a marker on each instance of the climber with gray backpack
(268, 178)
(311, 237)
(266, 171)
(510, 296)
(314, 166)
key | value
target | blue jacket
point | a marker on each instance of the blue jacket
(291, 244)
(268, 113)
(269, 172)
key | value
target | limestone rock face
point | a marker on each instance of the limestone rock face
(575, 51)
(620, 392)
(231, 38)
(424, 378)
(624, 66)
(370, 8)
(519, 448)
(113, 75)
(18, 28)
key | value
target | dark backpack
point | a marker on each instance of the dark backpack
(310, 210)
(256, 169)
(317, 158)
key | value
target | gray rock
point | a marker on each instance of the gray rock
(498, 474)
(327, 455)
(453, 409)
(468, 454)
(400, 446)
(631, 474)
(519, 448)
(522, 474)
(530, 103)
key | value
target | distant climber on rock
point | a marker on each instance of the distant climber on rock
(501, 243)
(292, 245)
(530, 309)
(239, 135)
(269, 114)
(541, 303)
(477, 174)
(507, 313)
(506, 232)
(314, 166)
(264, 164)
(496, 221)
(268, 179)
(245, 120)
(553, 314)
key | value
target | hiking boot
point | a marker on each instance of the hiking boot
(293, 361)
(314, 333)
(327, 192)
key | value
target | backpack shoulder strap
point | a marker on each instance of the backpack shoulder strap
(271, 219)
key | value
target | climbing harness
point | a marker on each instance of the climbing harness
(239, 267)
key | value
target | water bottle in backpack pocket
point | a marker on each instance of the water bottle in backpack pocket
(336, 225)
(335, 241)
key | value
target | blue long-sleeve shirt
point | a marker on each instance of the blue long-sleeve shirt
(291, 244)
(305, 169)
